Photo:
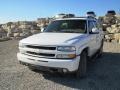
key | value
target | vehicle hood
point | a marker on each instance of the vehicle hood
(53, 39)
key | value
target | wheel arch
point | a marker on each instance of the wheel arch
(84, 49)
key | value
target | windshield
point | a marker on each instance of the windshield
(67, 26)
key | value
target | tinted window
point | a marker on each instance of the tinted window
(90, 25)
(67, 26)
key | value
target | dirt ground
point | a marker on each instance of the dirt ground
(102, 74)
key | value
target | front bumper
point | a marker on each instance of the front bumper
(70, 64)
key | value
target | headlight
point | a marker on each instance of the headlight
(66, 56)
(66, 48)
(21, 45)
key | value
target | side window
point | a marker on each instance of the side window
(99, 25)
(96, 24)
(64, 26)
(90, 26)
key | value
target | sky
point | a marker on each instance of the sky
(22, 10)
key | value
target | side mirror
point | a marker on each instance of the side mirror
(42, 29)
(95, 31)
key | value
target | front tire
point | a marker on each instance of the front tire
(82, 68)
(32, 68)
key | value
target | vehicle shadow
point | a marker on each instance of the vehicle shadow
(103, 73)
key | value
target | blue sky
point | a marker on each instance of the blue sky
(14, 10)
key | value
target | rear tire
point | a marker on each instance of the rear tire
(82, 68)
(100, 51)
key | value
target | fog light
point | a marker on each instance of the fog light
(65, 70)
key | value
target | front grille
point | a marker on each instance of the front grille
(41, 54)
(42, 47)
(41, 51)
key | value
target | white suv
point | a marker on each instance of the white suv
(64, 46)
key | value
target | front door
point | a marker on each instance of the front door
(92, 37)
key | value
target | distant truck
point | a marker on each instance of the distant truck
(64, 46)
(62, 15)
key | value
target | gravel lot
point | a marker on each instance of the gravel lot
(104, 73)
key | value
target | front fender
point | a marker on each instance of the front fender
(81, 48)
